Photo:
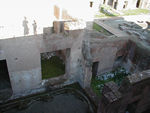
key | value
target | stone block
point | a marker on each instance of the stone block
(58, 26)
(73, 33)
(74, 25)
(47, 30)
(57, 12)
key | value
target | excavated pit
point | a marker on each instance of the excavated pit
(70, 99)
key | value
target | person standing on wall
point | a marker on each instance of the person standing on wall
(34, 27)
(25, 25)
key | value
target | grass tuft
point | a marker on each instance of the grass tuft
(52, 67)
(107, 11)
(101, 29)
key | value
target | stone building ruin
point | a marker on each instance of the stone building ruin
(126, 4)
(135, 88)
(84, 52)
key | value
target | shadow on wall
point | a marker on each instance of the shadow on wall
(5, 85)
(134, 58)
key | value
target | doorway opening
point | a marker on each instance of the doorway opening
(94, 68)
(4, 76)
(104, 2)
(91, 4)
(138, 3)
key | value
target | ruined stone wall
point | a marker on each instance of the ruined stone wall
(120, 4)
(132, 96)
(130, 4)
(68, 10)
(23, 63)
(133, 56)
(139, 55)
(23, 58)
(57, 12)
(144, 4)
(105, 52)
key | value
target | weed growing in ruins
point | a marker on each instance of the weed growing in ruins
(101, 29)
(117, 76)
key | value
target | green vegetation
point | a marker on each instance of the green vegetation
(104, 12)
(100, 29)
(52, 67)
(111, 12)
(97, 85)
(135, 12)
(117, 76)
(107, 11)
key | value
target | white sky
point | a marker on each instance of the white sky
(12, 13)
(12, 10)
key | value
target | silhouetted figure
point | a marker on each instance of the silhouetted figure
(25, 25)
(34, 27)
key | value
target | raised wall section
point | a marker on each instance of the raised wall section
(23, 58)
